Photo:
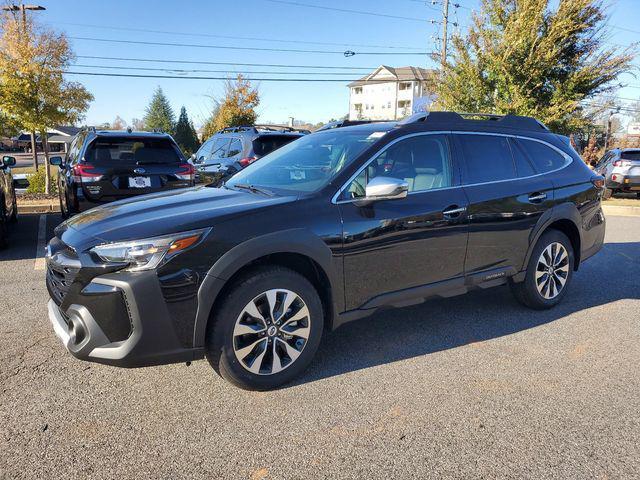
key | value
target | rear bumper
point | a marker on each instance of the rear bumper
(622, 182)
(84, 321)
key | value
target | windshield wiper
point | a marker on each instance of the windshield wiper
(253, 189)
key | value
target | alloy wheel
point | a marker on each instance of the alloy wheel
(552, 270)
(271, 332)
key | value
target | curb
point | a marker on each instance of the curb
(621, 210)
(38, 208)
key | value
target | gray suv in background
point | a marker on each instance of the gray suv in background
(621, 170)
(234, 148)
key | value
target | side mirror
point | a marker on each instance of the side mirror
(57, 161)
(193, 156)
(8, 161)
(386, 188)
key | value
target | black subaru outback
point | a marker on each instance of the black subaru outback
(323, 231)
(105, 165)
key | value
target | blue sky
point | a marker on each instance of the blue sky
(199, 22)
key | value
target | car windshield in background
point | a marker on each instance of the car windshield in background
(633, 155)
(309, 163)
(137, 151)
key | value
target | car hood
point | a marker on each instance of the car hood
(160, 214)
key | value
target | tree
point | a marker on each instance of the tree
(159, 115)
(33, 91)
(185, 135)
(209, 127)
(118, 123)
(522, 57)
(138, 125)
(591, 153)
(238, 106)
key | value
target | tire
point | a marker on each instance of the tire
(233, 353)
(607, 194)
(528, 292)
(3, 225)
(64, 206)
(14, 214)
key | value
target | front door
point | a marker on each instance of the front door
(392, 245)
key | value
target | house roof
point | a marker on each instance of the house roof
(384, 74)
(67, 131)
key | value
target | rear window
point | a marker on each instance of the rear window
(269, 143)
(487, 158)
(137, 151)
(630, 155)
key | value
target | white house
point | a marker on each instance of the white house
(390, 93)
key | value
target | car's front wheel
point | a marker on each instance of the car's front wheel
(267, 329)
(549, 272)
(3, 224)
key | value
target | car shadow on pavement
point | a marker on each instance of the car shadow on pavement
(441, 324)
(23, 236)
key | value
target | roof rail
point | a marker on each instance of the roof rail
(514, 121)
(257, 127)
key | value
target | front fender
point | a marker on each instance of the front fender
(297, 241)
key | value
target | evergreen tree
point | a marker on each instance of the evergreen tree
(525, 57)
(185, 135)
(159, 115)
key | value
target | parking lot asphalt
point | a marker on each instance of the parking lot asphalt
(471, 386)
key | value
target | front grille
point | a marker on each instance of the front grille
(62, 267)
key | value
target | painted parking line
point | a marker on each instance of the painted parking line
(39, 263)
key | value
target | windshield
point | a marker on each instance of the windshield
(309, 163)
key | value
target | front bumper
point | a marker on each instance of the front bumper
(90, 322)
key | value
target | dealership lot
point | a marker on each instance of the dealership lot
(468, 386)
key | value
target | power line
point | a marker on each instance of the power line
(196, 62)
(126, 75)
(232, 47)
(168, 69)
(345, 10)
(236, 37)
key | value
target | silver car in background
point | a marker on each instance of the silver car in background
(621, 170)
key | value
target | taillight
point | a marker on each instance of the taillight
(621, 163)
(186, 172)
(247, 161)
(83, 172)
(598, 182)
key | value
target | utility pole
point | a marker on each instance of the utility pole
(445, 23)
(606, 137)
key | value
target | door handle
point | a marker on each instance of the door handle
(453, 211)
(537, 197)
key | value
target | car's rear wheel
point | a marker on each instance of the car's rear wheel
(548, 274)
(64, 204)
(3, 224)
(607, 193)
(14, 211)
(267, 329)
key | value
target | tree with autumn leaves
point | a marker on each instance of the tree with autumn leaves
(34, 95)
(237, 108)
(534, 57)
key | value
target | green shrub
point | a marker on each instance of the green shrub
(37, 182)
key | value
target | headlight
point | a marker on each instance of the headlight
(147, 254)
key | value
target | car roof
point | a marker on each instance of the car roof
(127, 133)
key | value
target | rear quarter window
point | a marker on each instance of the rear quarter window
(544, 159)
(487, 158)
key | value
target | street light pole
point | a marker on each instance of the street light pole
(606, 137)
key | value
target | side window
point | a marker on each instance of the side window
(523, 165)
(544, 158)
(235, 148)
(422, 161)
(487, 158)
(220, 148)
(204, 151)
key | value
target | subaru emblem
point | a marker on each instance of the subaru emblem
(139, 170)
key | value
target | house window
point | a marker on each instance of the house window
(388, 104)
(357, 107)
(404, 86)
(357, 90)
(404, 104)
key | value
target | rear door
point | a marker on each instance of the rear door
(117, 167)
(506, 199)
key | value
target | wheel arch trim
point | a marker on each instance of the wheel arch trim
(294, 241)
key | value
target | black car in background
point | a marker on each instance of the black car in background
(8, 204)
(323, 231)
(234, 148)
(105, 166)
